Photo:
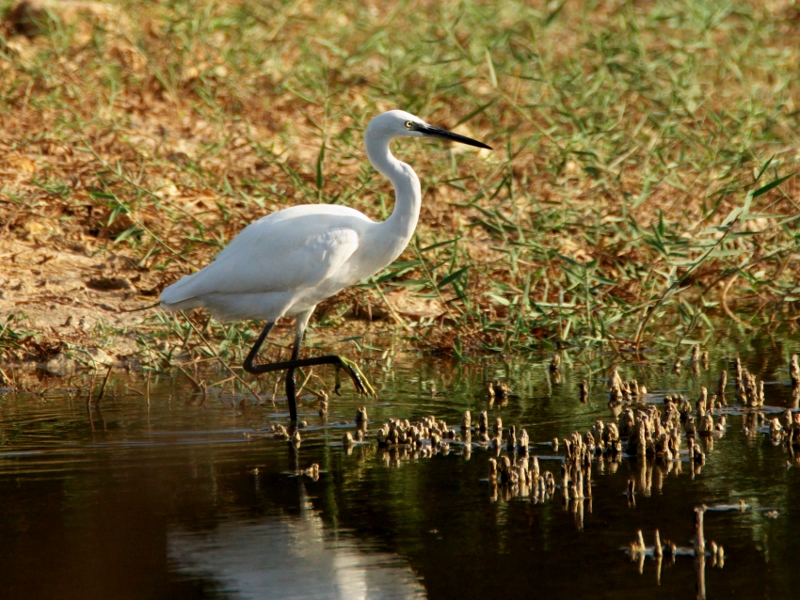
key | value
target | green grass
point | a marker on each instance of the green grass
(639, 190)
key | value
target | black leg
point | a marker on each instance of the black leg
(249, 365)
(291, 385)
(362, 385)
(291, 394)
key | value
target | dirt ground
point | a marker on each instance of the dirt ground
(69, 295)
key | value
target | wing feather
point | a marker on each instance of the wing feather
(289, 253)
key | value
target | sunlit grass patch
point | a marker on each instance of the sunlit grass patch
(626, 137)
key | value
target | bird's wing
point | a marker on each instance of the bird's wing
(275, 256)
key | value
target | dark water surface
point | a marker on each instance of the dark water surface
(175, 500)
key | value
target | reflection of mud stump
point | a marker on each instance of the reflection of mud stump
(794, 372)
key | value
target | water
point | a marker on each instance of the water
(183, 499)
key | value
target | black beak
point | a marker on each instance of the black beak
(443, 134)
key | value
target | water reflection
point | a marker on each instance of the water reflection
(291, 557)
(174, 500)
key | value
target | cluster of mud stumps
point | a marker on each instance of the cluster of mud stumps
(657, 431)
(643, 425)
(787, 431)
(663, 432)
(668, 551)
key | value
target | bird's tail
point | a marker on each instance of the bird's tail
(181, 295)
(184, 305)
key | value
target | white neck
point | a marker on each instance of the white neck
(401, 223)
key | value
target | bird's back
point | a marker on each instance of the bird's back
(283, 255)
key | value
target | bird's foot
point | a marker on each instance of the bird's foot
(362, 384)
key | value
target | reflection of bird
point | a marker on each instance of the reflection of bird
(284, 264)
(291, 557)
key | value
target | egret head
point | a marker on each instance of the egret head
(398, 123)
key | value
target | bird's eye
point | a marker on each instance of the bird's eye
(409, 124)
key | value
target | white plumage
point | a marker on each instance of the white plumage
(281, 265)
(285, 263)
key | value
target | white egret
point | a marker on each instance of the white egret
(287, 262)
